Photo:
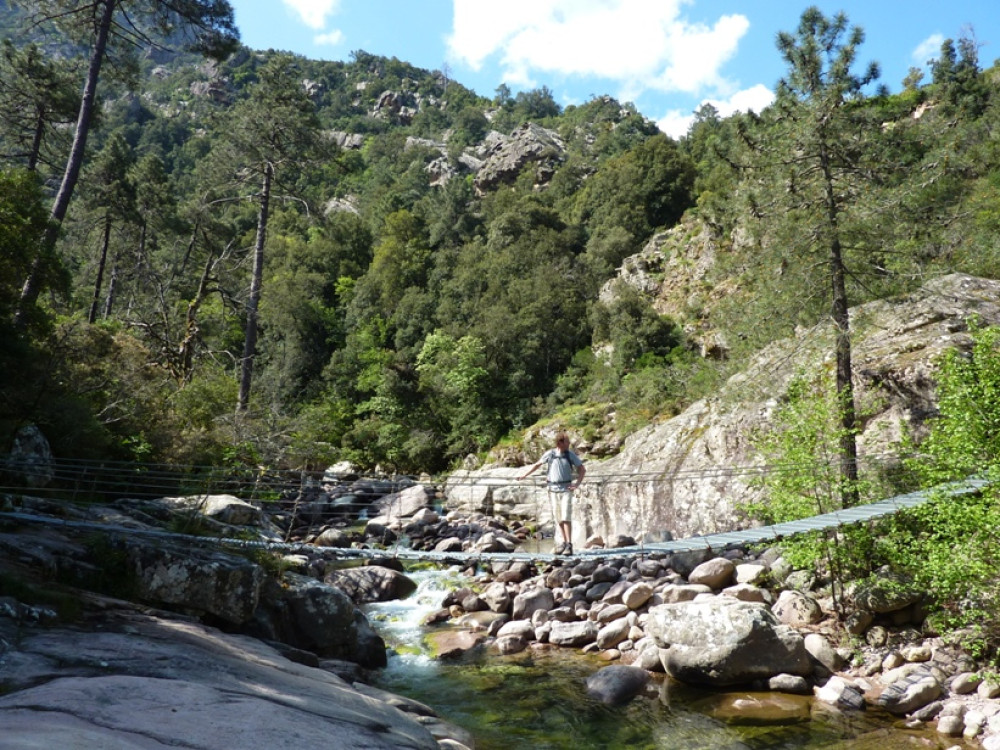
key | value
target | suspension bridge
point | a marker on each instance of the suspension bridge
(69, 482)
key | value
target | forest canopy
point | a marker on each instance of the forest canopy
(273, 259)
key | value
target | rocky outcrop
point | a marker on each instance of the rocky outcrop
(692, 474)
(349, 141)
(209, 582)
(399, 106)
(204, 581)
(30, 460)
(529, 144)
(143, 681)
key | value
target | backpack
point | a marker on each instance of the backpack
(560, 468)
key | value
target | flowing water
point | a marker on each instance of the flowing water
(537, 699)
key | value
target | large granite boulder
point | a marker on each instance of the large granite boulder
(147, 682)
(403, 504)
(371, 583)
(315, 616)
(192, 579)
(30, 460)
(721, 641)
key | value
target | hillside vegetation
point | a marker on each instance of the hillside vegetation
(276, 260)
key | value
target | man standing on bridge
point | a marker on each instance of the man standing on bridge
(561, 462)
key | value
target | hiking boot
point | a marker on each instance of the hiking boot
(567, 549)
(559, 549)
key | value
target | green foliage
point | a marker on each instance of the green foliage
(406, 323)
(802, 451)
(804, 478)
(23, 220)
(645, 188)
(964, 436)
(39, 97)
(948, 547)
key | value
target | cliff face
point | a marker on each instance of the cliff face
(691, 474)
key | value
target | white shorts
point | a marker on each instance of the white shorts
(562, 505)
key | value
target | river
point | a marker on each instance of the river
(537, 699)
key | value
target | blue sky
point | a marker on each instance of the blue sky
(665, 56)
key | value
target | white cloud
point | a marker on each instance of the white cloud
(753, 99)
(313, 12)
(329, 38)
(676, 123)
(641, 44)
(929, 49)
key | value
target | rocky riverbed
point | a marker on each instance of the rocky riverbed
(214, 644)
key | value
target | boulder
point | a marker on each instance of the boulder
(147, 682)
(747, 593)
(510, 644)
(910, 691)
(30, 459)
(885, 593)
(823, 652)
(194, 579)
(521, 628)
(637, 595)
(574, 634)
(613, 633)
(371, 583)
(402, 504)
(332, 538)
(315, 616)
(789, 683)
(839, 692)
(528, 602)
(617, 684)
(227, 509)
(797, 608)
(454, 644)
(750, 573)
(720, 642)
(716, 573)
(497, 597)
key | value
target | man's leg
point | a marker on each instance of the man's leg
(555, 505)
(566, 521)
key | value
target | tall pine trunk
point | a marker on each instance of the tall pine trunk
(101, 263)
(250, 341)
(32, 285)
(841, 319)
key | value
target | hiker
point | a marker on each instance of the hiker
(561, 461)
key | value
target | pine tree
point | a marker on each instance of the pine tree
(812, 156)
(274, 130)
(207, 27)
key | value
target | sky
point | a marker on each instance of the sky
(667, 57)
